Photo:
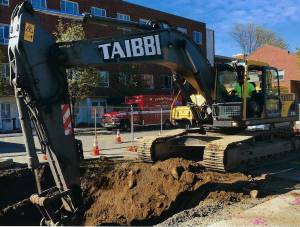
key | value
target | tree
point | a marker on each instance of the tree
(82, 81)
(250, 37)
(1, 56)
(5, 88)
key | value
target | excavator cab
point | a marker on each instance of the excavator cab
(248, 93)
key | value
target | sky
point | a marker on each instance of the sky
(280, 16)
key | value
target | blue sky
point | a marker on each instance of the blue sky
(280, 16)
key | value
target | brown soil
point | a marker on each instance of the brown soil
(124, 193)
(140, 193)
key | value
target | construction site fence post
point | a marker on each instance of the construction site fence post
(161, 120)
(96, 139)
(132, 128)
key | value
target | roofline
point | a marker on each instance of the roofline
(224, 57)
(174, 15)
(283, 49)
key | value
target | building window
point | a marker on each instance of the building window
(4, 2)
(183, 30)
(197, 36)
(281, 75)
(5, 111)
(4, 33)
(147, 81)
(125, 31)
(69, 7)
(124, 17)
(144, 21)
(123, 78)
(104, 78)
(166, 81)
(40, 4)
(4, 70)
(98, 12)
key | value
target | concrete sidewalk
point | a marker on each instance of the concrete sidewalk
(283, 210)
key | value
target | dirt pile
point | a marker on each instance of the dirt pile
(124, 193)
(140, 193)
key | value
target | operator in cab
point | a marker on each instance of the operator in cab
(250, 89)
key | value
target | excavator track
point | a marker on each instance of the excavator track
(224, 152)
(215, 152)
(145, 148)
(238, 151)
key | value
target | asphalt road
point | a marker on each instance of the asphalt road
(12, 145)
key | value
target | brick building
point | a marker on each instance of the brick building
(287, 64)
(157, 80)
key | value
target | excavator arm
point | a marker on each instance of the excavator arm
(38, 73)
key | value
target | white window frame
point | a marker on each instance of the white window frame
(3, 34)
(39, 7)
(5, 111)
(123, 78)
(182, 29)
(106, 83)
(64, 10)
(97, 9)
(4, 70)
(281, 74)
(123, 17)
(162, 84)
(152, 80)
(4, 4)
(195, 37)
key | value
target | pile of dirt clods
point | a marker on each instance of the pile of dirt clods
(118, 193)
(142, 194)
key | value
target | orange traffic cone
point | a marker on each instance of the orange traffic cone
(118, 139)
(132, 148)
(95, 151)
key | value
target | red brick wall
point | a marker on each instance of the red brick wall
(281, 59)
(112, 8)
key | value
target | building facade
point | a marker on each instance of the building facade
(156, 79)
(287, 64)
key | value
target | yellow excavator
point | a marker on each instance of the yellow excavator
(38, 74)
(182, 115)
(248, 110)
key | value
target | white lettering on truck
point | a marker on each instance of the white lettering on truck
(136, 47)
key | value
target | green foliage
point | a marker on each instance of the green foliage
(1, 56)
(68, 31)
(82, 81)
(250, 37)
(5, 88)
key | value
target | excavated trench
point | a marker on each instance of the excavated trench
(125, 193)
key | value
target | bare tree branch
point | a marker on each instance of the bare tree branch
(250, 37)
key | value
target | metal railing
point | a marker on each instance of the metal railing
(228, 110)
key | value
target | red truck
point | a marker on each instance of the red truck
(147, 111)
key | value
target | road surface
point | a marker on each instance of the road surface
(12, 145)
